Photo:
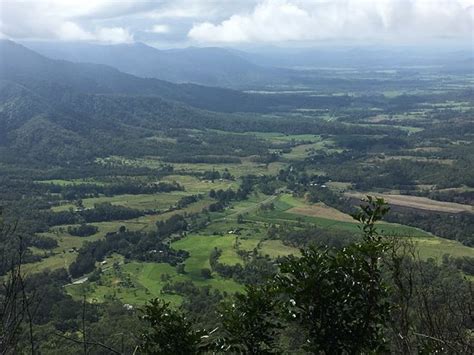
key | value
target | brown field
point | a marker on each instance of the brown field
(422, 203)
(420, 159)
(322, 211)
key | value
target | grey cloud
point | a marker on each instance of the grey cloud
(242, 21)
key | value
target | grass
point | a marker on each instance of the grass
(200, 248)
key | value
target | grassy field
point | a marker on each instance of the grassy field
(201, 246)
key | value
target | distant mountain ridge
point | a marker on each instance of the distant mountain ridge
(208, 66)
(24, 66)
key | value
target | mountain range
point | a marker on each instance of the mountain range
(210, 66)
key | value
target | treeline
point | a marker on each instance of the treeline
(101, 212)
(364, 143)
(216, 175)
(312, 236)
(76, 191)
(201, 159)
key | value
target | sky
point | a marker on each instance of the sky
(178, 23)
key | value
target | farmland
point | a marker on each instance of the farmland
(243, 190)
(240, 227)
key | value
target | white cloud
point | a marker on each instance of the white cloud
(304, 20)
(199, 9)
(113, 35)
(69, 31)
(160, 29)
(64, 20)
(214, 21)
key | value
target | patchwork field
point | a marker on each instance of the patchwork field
(136, 282)
(240, 227)
(418, 202)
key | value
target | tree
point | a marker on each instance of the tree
(337, 298)
(180, 268)
(169, 331)
(15, 302)
(431, 303)
(250, 323)
(206, 273)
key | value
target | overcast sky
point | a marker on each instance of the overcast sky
(169, 23)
